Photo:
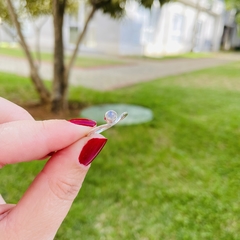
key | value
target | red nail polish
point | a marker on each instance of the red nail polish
(83, 122)
(92, 148)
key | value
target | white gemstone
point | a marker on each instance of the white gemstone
(110, 116)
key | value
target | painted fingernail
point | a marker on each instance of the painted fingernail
(90, 151)
(78, 121)
(83, 122)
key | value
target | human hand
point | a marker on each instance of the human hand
(43, 207)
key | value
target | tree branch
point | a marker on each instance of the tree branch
(80, 38)
(18, 27)
(44, 94)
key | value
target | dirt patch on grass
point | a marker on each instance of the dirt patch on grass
(42, 112)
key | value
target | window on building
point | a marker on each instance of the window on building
(73, 28)
(177, 27)
(73, 34)
(198, 35)
(150, 23)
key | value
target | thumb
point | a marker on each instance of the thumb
(44, 206)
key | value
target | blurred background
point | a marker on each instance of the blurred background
(170, 172)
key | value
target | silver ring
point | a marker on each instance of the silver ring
(111, 118)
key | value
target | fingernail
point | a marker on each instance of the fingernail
(47, 156)
(50, 154)
(83, 122)
(90, 151)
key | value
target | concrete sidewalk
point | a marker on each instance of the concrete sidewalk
(112, 77)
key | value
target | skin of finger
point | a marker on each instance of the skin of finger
(2, 201)
(28, 140)
(12, 112)
(5, 209)
(40, 212)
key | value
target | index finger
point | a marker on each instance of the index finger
(28, 140)
(12, 112)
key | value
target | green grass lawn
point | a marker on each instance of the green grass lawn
(80, 61)
(175, 178)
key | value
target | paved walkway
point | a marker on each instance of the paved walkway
(112, 77)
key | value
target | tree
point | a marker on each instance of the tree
(58, 8)
(234, 5)
(11, 17)
(233, 8)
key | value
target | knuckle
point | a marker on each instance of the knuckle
(65, 188)
(44, 125)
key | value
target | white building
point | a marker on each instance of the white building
(175, 28)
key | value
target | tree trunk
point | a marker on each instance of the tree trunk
(61, 74)
(59, 101)
(37, 81)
